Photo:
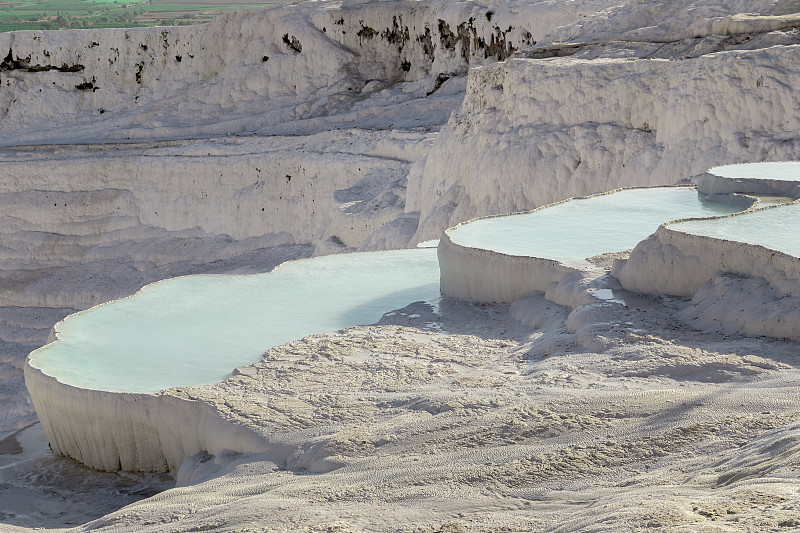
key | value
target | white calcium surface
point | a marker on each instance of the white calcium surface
(395, 121)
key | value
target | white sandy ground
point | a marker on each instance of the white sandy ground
(614, 419)
(458, 417)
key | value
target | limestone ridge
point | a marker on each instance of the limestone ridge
(620, 99)
(241, 72)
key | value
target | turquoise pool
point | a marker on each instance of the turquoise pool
(196, 329)
(571, 231)
(783, 171)
(776, 228)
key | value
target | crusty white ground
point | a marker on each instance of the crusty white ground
(455, 416)
(468, 420)
(465, 420)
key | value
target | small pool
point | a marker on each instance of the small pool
(571, 231)
(781, 171)
(196, 329)
(775, 228)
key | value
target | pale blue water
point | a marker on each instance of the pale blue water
(777, 228)
(571, 231)
(195, 329)
(784, 170)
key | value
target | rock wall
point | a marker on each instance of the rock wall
(710, 183)
(488, 276)
(153, 205)
(677, 263)
(249, 71)
(736, 288)
(133, 432)
(535, 131)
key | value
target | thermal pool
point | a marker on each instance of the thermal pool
(500, 259)
(194, 330)
(108, 389)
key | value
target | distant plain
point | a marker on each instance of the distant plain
(65, 14)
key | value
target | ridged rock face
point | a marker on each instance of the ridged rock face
(149, 433)
(534, 131)
(250, 71)
(487, 276)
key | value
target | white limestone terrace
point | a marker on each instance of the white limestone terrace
(685, 86)
(137, 155)
(741, 266)
(97, 385)
(503, 258)
(85, 224)
(779, 178)
(742, 271)
(210, 324)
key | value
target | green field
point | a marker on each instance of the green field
(62, 14)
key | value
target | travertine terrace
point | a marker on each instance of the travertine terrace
(601, 404)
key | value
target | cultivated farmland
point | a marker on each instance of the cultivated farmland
(62, 14)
